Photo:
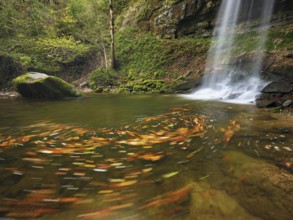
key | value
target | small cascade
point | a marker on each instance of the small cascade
(227, 76)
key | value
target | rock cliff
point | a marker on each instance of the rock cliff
(179, 18)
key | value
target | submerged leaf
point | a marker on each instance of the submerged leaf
(168, 175)
(152, 157)
(176, 196)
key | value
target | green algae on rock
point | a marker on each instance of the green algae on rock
(40, 85)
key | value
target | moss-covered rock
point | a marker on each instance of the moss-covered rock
(40, 85)
(100, 89)
(186, 85)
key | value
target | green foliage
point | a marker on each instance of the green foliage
(50, 55)
(9, 68)
(19, 17)
(148, 86)
(169, 2)
(61, 36)
(76, 7)
(120, 5)
(102, 77)
(58, 38)
(143, 14)
(62, 50)
(141, 55)
(145, 56)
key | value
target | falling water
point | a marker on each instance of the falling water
(227, 77)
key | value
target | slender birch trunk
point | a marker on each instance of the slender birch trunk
(113, 59)
(105, 55)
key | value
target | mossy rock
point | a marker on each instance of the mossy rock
(100, 89)
(186, 85)
(40, 85)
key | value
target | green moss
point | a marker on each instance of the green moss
(37, 85)
(142, 14)
(143, 55)
(55, 56)
(145, 62)
(62, 87)
(139, 53)
(169, 2)
(279, 38)
(148, 86)
(99, 89)
(102, 77)
(61, 49)
(123, 90)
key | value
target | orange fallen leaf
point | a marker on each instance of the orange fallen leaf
(68, 200)
(152, 157)
(172, 197)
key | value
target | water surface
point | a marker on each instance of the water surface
(143, 157)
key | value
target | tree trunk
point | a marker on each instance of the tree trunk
(113, 59)
(105, 55)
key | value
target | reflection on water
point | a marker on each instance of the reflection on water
(143, 157)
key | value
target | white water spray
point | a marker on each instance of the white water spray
(227, 77)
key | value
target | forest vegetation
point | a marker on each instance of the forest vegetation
(71, 39)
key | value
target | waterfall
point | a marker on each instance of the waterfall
(227, 77)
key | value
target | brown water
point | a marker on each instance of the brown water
(143, 157)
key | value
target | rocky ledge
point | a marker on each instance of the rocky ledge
(277, 94)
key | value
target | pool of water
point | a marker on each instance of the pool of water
(143, 157)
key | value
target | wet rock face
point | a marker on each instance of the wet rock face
(283, 9)
(194, 18)
(277, 94)
(281, 86)
(181, 18)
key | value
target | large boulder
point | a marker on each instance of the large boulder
(40, 85)
(277, 94)
(280, 86)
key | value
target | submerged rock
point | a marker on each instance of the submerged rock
(287, 103)
(260, 187)
(266, 103)
(40, 85)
